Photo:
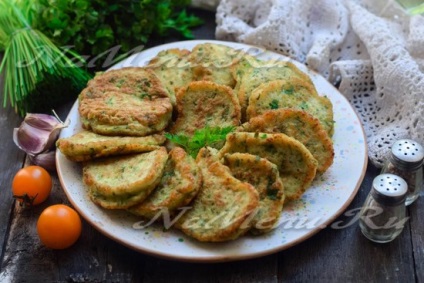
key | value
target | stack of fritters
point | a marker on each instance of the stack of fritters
(291, 94)
(222, 205)
(179, 184)
(281, 141)
(123, 181)
(87, 145)
(265, 178)
(299, 125)
(296, 164)
(129, 101)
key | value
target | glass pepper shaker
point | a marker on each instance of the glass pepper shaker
(383, 214)
(406, 160)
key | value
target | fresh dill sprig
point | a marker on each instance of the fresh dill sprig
(207, 136)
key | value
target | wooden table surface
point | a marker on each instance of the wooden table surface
(332, 255)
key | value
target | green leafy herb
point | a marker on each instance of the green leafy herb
(289, 91)
(304, 105)
(41, 38)
(93, 27)
(274, 104)
(30, 58)
(207, 136)
(181, 23)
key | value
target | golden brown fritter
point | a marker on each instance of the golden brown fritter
(295, 163)
(128, 101)
(87, 145)
(222, 204)
(292, 93)
(299, 125)
(243, 63)
(205, 103)
(268, 71)
(123, 181)
(264, 177)
(179, 184)
(212, 62)
(173, 69)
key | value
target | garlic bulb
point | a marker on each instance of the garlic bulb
(45, 160)
(37, 135)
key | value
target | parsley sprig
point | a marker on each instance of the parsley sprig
(207, 136)
(95, 26)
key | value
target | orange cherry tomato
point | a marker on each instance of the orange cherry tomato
(31, 185)
(59, 226)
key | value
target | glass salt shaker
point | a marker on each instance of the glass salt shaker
(406, 160)
(384, 212)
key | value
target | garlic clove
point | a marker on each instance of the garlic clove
(45, 160)
(29, 139)
(42, 121)
(38, 133)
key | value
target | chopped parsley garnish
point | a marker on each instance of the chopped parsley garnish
(274, 104)
(289, 91)
(206, 136)
(304, 105)
(144, 95)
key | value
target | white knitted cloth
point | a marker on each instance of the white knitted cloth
(372, 49)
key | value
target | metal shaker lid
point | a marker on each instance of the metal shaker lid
(389, 189)
(407, 154)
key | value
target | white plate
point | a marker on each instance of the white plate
(319, 206)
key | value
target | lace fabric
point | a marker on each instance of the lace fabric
(372, 50)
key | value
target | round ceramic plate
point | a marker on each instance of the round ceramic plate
(327, 198)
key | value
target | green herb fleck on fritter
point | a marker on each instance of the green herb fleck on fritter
(274, 104)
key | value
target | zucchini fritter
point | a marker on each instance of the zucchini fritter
(274, 70)
(121, 182)
(128, 101)
(295, 163)
(212, 62)
(244, 63)
(87, 145)
(264, 176)
(292, 93)
(222, 204)
(205, 103)
(299, 125)
(179, 184)
(173, 69)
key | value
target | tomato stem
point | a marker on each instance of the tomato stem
(25, 200)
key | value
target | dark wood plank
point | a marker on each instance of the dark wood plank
(417, 232)
(97, 259)
(339, 254)
(256, 270)
(94, 258)
(11, 160)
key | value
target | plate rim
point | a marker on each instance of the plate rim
(222, 258)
